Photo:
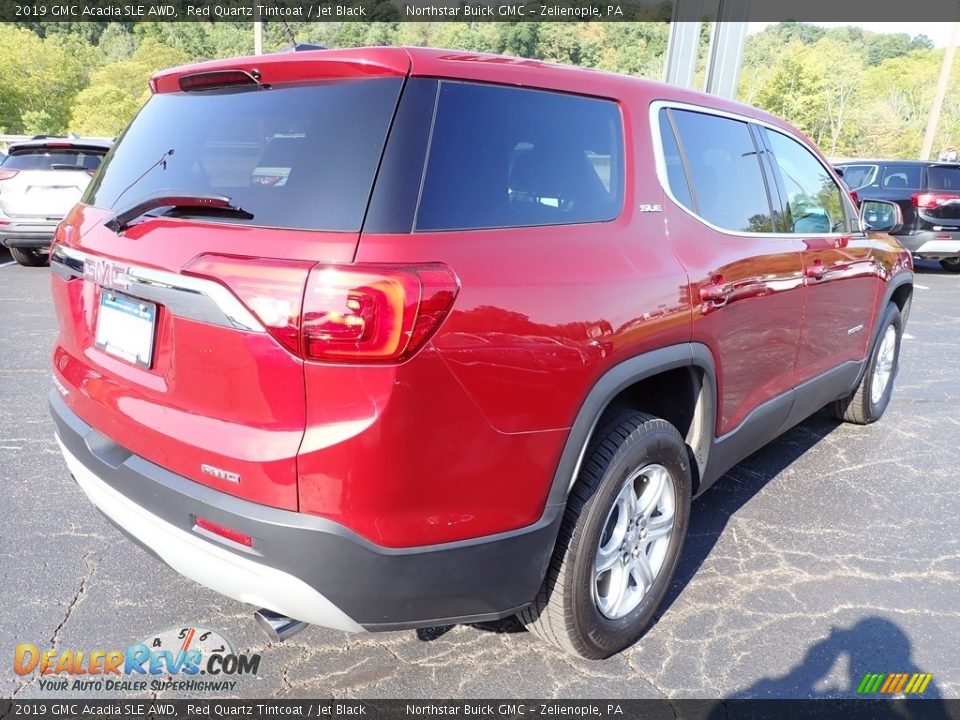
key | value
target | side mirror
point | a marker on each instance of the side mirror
(881, 216)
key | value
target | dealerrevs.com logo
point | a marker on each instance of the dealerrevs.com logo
(190, 659)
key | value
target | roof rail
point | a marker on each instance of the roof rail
(304, 47)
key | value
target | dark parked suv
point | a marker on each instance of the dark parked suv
(928, 194)
(421, 337)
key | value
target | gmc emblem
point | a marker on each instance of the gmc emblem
(106, 273)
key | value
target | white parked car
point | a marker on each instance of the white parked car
(40, 180)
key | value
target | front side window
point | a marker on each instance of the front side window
(814, 202)
(858, 176)
(726, 184)
(510, 157)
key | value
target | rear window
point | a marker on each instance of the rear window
(509, 157)
(943, 178)
(59, 159)
(300, 157)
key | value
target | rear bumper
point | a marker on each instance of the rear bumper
(27, 233)
(932, 244)
(303, 566)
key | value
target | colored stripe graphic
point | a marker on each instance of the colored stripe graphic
(871, 683)
(894, 683)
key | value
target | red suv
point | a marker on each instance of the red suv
(385, 338)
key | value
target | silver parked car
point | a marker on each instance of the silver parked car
(40, 180)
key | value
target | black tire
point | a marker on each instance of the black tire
(860, 407)
(29, 257)
(565, 612)
(951, 264)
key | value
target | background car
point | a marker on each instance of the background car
(40, 180)
(929, 195)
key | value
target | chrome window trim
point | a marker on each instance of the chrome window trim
(187, 297)
(654, 119)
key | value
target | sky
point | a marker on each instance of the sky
(939, 32)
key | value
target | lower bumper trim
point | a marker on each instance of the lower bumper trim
(205, 563)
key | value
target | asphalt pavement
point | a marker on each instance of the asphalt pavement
(831, 553)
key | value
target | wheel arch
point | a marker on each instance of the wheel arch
(677, 383)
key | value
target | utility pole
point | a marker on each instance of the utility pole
(940, 93)
(258, 37)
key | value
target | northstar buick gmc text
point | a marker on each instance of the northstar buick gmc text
(385, 338)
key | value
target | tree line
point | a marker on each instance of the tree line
(855, 93)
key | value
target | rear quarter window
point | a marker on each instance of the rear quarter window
(510, 157)
(943, 178)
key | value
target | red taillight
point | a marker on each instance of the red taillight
(374, 312)
(339, 313)
(855, 196)
(228, 533)
(7, 174)
(931, 201)
(91, 173)
(271, 289)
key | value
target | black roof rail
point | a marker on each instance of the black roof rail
(304, 47)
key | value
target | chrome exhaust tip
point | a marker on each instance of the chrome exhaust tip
(278, 627)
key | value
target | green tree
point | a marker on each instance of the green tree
(117, 90)
(40, 76)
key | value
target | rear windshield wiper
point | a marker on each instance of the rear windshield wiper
(215, 205)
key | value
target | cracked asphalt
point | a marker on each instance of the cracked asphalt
(831, 553)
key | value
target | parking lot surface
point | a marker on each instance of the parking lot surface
(831, 553)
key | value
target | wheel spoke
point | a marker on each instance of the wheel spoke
(617, 583)
(606, 560)
(659, 527)
(650, 498)
(642, 573)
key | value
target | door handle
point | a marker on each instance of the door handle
(716, 291)
(816, 271)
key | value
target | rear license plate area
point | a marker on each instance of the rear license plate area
(126, 327)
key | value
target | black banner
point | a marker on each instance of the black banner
(78, 709)
(473, 10)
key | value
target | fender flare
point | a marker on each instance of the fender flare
(609, 386)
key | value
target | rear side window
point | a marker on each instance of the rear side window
(814, 202)
(901, 176)
(509, 157)
(943, 178)
(59, 159)
(728, 189)
(858, 176)
(301, 157)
